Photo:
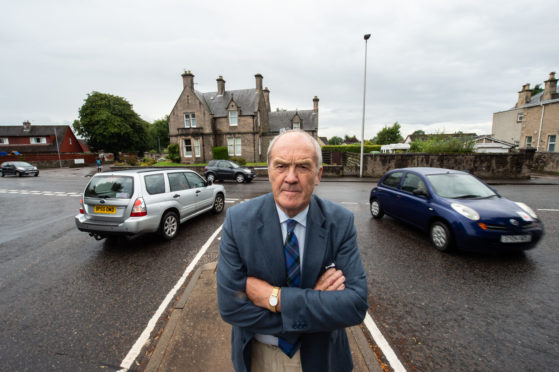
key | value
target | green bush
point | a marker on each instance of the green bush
(173, 152)
(440, 145)
(147, 162)
(238, 160)
(220, 152)
(351, 148)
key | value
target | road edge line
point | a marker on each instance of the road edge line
(384, 346)
(144, 337)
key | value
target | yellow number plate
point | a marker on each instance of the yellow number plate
(107, 209)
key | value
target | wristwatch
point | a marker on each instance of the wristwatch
(273, 300)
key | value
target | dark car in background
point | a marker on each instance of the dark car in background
(19, 168)
(219, 170)
(456, 208)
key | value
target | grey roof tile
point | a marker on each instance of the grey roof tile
(282, 119)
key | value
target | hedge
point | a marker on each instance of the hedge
(220, 152)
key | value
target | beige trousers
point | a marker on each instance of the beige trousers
(268, 358)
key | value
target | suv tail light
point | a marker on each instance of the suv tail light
(139, 208)
(81, 206)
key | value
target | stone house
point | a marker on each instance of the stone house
(240, 120)
(534, 121)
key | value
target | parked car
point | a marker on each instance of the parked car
(19, 168)
(456, 208)
(227, 170)
(134, 202)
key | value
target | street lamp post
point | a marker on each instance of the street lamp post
(366, 37)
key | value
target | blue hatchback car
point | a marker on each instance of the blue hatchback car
(457, 209)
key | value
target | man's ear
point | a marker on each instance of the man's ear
(318, 176)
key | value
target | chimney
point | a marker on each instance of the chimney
(266, 92)
(550, 88)
(188, 80)
(220, 85)
(524, 95)
(26, 126)
(315, 104)
(258, 81)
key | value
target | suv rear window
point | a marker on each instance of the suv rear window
(155, 184)
(118, 187)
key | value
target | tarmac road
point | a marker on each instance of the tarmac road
(69, 302)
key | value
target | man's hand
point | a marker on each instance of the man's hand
(331, 280)
(259, 291)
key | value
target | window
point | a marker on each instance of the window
(197, 147)
(187, 148)
(528, 141)
(519, 117)
(412, 182)
(190, 120)
(233, 118)
(296, 125)
(177, 181)
(38, 140)
(70, 140)
(4, 141)
(393, 180)
(195, 180)
(155, 184)
(234, 146)
(551, 143)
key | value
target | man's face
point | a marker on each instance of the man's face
(293, 172)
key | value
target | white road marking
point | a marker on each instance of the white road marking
(144, 337)
(350, 203)
(390, 355)
(549, 210)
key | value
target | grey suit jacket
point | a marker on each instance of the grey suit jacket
(251, 245)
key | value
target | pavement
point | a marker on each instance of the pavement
(195, 337)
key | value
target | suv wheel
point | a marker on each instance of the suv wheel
(210, 177)
(20, 174)
(2, 173)
(240, 178)
(219, 204)
(169, 225)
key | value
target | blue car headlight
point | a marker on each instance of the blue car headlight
(527, 209)
(465, 211)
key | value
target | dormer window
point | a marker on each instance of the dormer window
(296, 124)
(38, 140)
(190, 120)
(233, 118)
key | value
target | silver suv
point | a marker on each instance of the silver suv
(133, 202)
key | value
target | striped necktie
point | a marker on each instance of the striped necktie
(293, 267)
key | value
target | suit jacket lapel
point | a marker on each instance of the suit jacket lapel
(269, 235)
(315, 245)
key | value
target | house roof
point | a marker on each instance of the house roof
(537, 100)
(492, 140)
(282, 119)
(34, 131)
(246, 100)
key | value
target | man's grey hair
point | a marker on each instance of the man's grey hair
(318, 150)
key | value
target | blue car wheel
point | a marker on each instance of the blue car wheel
(376, 209)
(441, 236)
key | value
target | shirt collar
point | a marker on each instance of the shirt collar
(300, 218)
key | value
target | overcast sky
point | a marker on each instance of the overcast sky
(432, 65)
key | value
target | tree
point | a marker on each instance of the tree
(335, 141)
(388, 135)
(158, 133)
(537, 89)
(348, 139)
(108, 122)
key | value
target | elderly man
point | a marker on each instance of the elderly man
(289, 275)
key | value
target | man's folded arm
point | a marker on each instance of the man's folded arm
(234, 305)
(309, 310)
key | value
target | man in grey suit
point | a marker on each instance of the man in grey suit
(289, 274)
